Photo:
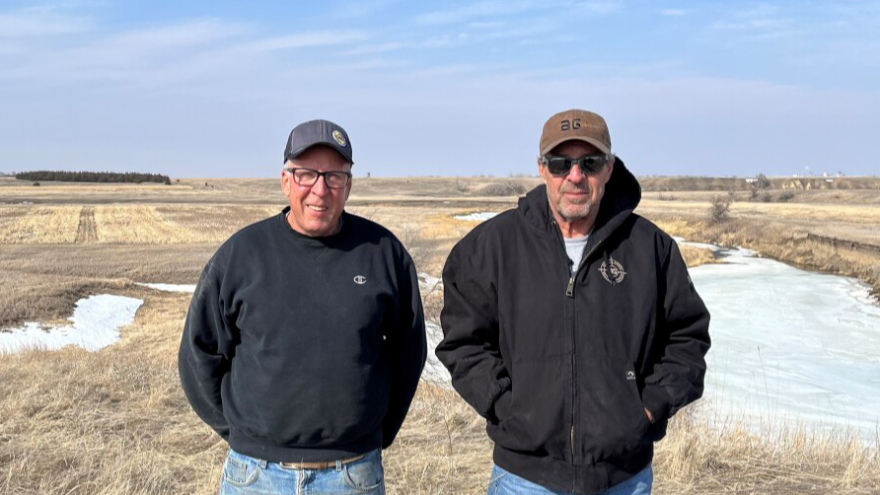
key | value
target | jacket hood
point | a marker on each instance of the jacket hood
(622, 196)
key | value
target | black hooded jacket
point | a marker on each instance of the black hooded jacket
(563, 367)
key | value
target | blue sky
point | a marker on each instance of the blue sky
(211, 89)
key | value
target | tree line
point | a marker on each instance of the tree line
(128, 177)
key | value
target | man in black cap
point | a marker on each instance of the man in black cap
(570, 323)
(305, 338)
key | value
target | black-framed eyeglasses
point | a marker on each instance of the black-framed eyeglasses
(307, 177)
(589, 164)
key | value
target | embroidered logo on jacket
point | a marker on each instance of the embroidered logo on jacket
(613, 271)
(360, 279)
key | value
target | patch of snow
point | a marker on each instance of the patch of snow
(94, 325)
(427, 283)
(190, 288)
(476, 217)
(700, 245)
(434, 371)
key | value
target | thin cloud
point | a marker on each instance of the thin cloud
(33, 22)
(673, 12)
(600, 7)
(374, 48)
(302, 40)
(489, 8)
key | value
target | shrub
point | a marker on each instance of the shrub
(719, 211)
(762, 182)
(506, 188)
(785, 197)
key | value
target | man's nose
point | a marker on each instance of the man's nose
(320, 187)
(575, 175)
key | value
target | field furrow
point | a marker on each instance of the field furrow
(87, 231)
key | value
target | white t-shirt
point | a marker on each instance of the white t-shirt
(574, 246)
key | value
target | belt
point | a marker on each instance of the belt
(320, 465)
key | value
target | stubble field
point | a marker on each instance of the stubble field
(116, 422)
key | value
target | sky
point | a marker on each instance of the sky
(453, 88)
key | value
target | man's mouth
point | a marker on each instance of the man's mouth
(317, 208)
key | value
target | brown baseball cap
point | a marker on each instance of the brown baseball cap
(579, 125)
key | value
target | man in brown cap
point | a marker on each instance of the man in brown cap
(571, 324)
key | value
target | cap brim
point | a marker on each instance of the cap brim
(598, 144)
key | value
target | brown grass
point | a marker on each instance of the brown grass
(116, 422)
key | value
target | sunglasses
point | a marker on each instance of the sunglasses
(589, 164)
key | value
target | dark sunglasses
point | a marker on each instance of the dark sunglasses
(589, 164)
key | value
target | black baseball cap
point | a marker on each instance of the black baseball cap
(315, 132)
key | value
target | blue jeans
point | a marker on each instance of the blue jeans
(505, 483)
(243, 475)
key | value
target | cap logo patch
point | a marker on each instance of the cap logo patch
(571, 124)
(339, 138)
(612, 271)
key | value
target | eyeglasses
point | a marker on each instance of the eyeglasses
(589, 164)
(307, 177)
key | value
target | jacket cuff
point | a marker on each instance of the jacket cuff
(656, 400)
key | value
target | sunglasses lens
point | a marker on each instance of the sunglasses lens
(593, 164)
(558, 165)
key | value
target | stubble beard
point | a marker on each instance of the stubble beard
(574, 211)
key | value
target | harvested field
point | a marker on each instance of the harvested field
(116, 422)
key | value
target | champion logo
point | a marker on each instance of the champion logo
(630, 375)
(613, 271)
(360, 279)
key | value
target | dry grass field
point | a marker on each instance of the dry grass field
(115, 421)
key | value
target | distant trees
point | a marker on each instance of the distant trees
(762, 182)
(59, 175)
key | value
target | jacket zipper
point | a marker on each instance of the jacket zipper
(569, 292)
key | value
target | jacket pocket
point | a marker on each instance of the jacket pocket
(611, 423)
(535, 422)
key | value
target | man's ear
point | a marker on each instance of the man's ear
(285, 182)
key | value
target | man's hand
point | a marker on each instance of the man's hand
(650, 416)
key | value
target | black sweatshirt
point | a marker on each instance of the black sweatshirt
(305, 349)
(562, 366)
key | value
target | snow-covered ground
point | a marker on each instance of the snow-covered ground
(476, 217)
(95, 324)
